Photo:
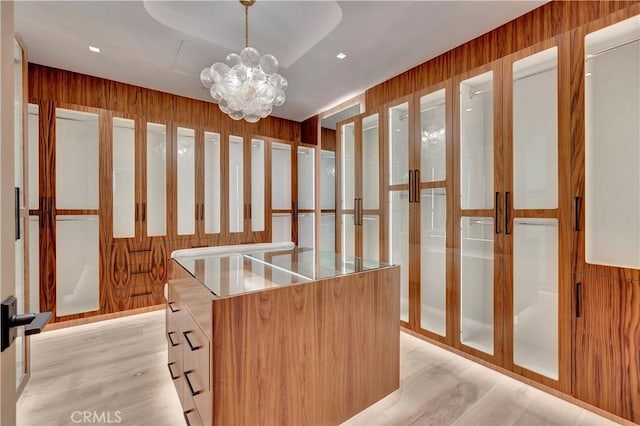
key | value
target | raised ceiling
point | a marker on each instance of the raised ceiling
(164, 45)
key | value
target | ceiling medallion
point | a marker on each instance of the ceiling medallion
(248, 85)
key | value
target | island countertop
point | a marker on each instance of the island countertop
(234, 274)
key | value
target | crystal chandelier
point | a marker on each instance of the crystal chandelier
(248, 85)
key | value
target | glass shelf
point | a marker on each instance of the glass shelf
(235, 274)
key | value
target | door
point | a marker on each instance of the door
(7, 209)
(537, 209)
(359, 152)
(431, 201)
(478, 242)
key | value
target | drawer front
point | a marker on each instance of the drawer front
(196, 352)
(192, 417)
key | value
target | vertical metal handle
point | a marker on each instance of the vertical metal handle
(359, 211)
(496, 205)
(173, 344)
(191, 345)
(416, 186)
(578, 300)
(137, 211)
(411, 186)
(144, 212)
(577, 202)
(51, 213)
(507, 214)
(202, 211)
(41, 212)
(17, 213)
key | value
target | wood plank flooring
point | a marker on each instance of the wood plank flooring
(119, 365)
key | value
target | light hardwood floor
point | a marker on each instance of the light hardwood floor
(120, 366)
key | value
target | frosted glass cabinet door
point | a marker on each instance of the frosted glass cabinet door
(280, 227)
(612, 145)
(186, 185)
(327, 235)
(535, 295)
(306, 178)
(76, 160)
(156, 179)
(124, 178)
(370, 162)
(348, 165)
(211, 183)
(433, 260)
(306, 230)
(399, 144)
(476, 283)
(371, 237)
(280, 176)
(399, 245)
(77, 284)
(348, 235)
(433, 137)
(236, 182)
(535, 131)
(257, 185)
(476, 142)
(327, 180)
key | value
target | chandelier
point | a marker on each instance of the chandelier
(248, 85)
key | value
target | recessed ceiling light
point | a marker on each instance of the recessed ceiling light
(94, 49)
(587, 74)
(468, 109)
(341, 55)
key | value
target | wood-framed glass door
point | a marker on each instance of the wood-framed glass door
(307, 200)
(347, 185)
(398, 195)
(281, 208)
(478, 238)
(209, 171)
(537, 225)
(431, 202)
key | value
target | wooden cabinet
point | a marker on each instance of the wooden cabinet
(359, 218)
(607, 344)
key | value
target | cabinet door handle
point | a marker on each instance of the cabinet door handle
(41, 212)
(171, 371)
(173, 344)
(137, 212)
(411, 186)
(186, 336)
(173, 310)
(17, 213)
(249, 209)
(360, 212)
(144, 212)
(577, 203)
(193, 391)
(202, 211)
(495, 213)
(578, 300)
(507, 213)
(416, 186)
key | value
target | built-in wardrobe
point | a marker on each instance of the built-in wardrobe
(510, 195)
(119, 186)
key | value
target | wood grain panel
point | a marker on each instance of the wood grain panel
(310, 129)
(598, 354)
(328, 138)
(51, 84)
(547, 21)
(330, 336)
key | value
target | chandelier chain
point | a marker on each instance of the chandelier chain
(246, 26)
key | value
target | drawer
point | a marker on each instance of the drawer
(196, 351)
(192, 417)
(126, 298)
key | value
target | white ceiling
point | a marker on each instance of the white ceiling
(164, 45)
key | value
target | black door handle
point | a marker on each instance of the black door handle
(577, 202)
(171, 307)
(17, 211)
(9, 320)
(416, 186)
(578, 301)
(496, 223)
(411, 186)
(507, 212)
